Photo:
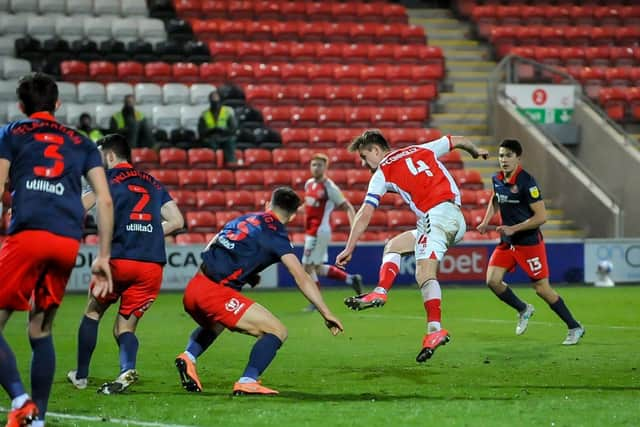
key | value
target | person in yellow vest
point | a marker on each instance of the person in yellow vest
(217, 128)
(132, 124)
(85, 128)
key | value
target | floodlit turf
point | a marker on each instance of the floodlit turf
(368, 376)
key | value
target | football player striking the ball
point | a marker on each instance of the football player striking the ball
(522, 209)
(416, 174)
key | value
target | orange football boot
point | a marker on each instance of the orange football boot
(240, 389)
(430, 343)
(188, 373)
(23, 416)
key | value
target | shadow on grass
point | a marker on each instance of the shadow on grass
(380, 397)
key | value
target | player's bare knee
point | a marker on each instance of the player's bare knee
(276, 328)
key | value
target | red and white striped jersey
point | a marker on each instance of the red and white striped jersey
(320, 198)
(416, 174)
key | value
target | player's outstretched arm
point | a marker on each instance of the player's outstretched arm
(311, 292)
(100, 269)
(351, 212)
(464, 143)
(359, 225)
(492, 208)
(172, 219)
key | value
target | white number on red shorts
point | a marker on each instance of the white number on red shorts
(534, 264)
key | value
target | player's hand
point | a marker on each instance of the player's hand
(101, 277)
(507, 230)
(334, 324)
(480, 152)
(482, 228)
(343, 258)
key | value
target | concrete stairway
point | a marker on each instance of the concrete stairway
(462, 104)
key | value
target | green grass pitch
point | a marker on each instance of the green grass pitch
(486, 376)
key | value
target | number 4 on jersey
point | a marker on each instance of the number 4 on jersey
(422, 167)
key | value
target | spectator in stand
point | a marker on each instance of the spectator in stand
(132, 124)
(217, 128)
(85, 128)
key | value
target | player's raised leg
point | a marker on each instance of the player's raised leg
(270, 334)
(399, 245)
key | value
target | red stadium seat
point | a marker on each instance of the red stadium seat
(285, 31)
(321, 137)
(158, 72)
(276, 51)
(608, 15)
(193, 178)
(395, 13)
(339, 236)
(297, 224)
(394, 34)
(603, 36)
(173, 158)
(468, 199)
(221, 179)
(613, 100)
(298, 178)
(310, 32)
(483, 197)
(592, 79)
(401, 74)
(223, 217)
(214, 9)
(294, 73)
(633, 97)
(597, 55)
(223, 50)
(533, 15)
(260, 198)
(357, 117)
(190, 239)
(74, 71)
(202, 158)
(340, 94)
(503, 39)
(375, 236)
(187, 8)
(277, 116)
(340, 220)
(344, 136)
(318, 11)
(240, 200)
(630, 16)
(214, 73)
(287, 158)
(330, 116)
(306, 154)
(355, 197)
(354, 53)
(342, 158)
(358, 179)
(617, 76)
(343, 12)
(340, 177)
(337, 32)
(413, 34)
(427, 135)
(304, 116)
(144, 158)
(577, 36)
(261, 94)
(319, 73)
(276, 178)
(368, 12)
(468, 179)
(347, 74)
(452, 160)
(382, 53)
(412, 116)
(485, 18)
(401, 219)
(314, 94)
(259, 158)
(185, 199)
(130, 72)
(622, 56)
(241, 73)
(304, 52)
(267, 73)
(169, 178)
(185, 72)
(249, 179)
(259, 30)
(211, 200)
(201, 221)
(378, 221)
(373, 74)
(102, 71)
(329, 53)
(295, 137)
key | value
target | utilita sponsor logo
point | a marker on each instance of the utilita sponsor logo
(464, 263)
(45, 186)
(146, 228)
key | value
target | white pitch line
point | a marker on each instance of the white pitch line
(107, 419)
(408, 317)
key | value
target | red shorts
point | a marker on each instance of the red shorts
(136, 283)
(531, 258)
(35, 263)
(209, 303)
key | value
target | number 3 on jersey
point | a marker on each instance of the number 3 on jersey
(422, 167)
(53, 142)
(136, 212)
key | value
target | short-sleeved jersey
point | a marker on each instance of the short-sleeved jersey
(137, 202)
(244, 247)
(416, 174)
(514, 197)
(320, 198)
(48, 161)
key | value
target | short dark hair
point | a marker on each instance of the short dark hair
(116, 143)
(286, 199)
(369, 137)
(513, 145)
(37, 92)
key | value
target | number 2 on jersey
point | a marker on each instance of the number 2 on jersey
(53, 142)
(136, 212)
(421, 167)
